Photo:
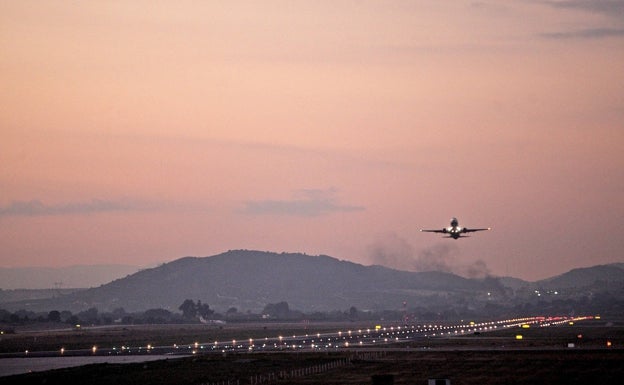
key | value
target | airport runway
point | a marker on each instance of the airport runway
(377, 336)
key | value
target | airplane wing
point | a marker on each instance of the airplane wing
(465, 230)
(443, 231)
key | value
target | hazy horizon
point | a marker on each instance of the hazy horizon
(140, 132)
(62, 277)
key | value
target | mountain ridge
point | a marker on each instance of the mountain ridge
(249, 280)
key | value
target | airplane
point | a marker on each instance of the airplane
(455, 231)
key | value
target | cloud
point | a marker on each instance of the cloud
(34, 208)
(613, 8)
(395, 252)
(590, 33)
(310, 204)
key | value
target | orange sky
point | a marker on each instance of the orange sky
(140, 132)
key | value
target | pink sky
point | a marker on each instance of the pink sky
(141, 132)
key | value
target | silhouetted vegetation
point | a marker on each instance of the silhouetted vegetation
(191, 312)
(606, 303)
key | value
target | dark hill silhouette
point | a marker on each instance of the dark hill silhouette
(586, 277)
(249, 280)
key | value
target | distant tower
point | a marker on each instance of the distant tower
(58, 286)
(405, 316)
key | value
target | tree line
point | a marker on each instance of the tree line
(190, 311)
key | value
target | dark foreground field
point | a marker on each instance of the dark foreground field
(413, 367)
(541, 357)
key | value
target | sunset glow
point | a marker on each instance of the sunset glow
(141, 132)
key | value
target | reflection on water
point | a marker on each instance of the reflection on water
(11, 366)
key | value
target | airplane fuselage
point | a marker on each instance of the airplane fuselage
(454, 231)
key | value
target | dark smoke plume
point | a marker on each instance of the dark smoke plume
(392, 251)
(440, 257)
(478, 269)
(395, 252)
